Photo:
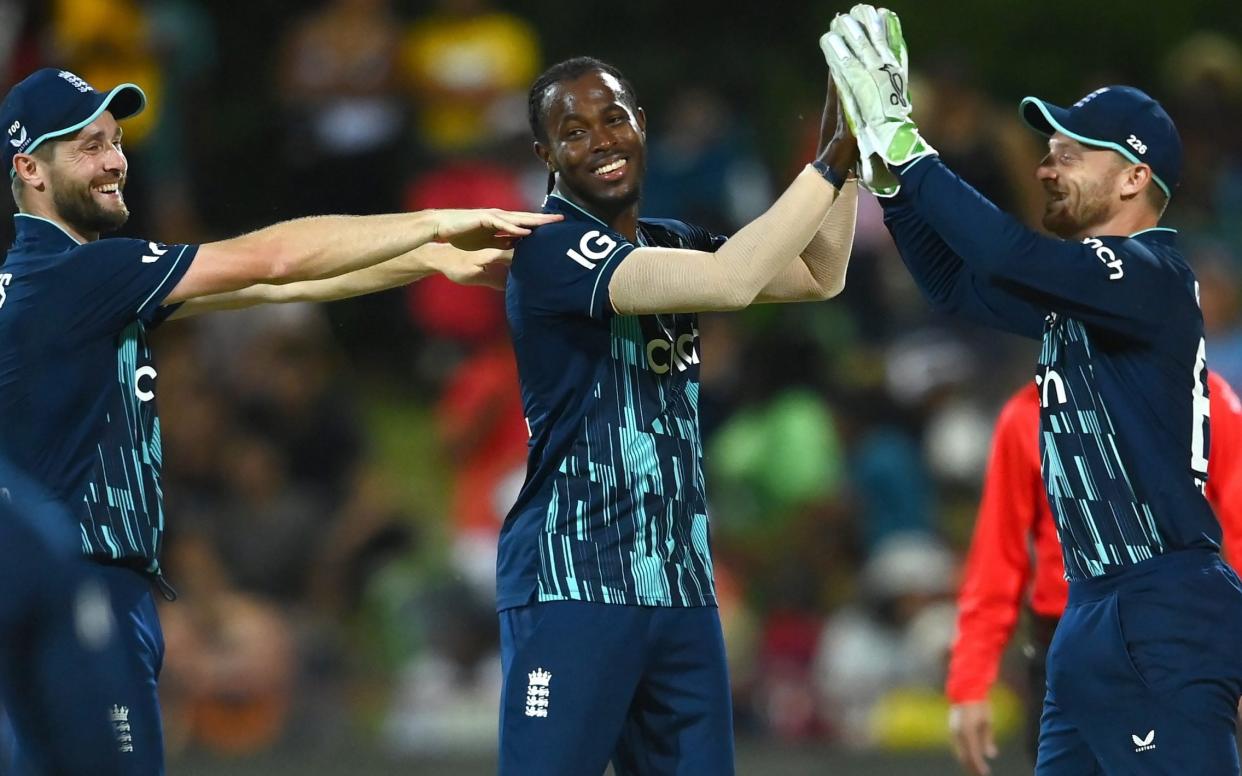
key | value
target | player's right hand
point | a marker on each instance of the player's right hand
(473, 230)
(971, 727)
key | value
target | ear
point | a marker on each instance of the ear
(1136, 180)
(545, 155)
(27, 168)
(642, 120)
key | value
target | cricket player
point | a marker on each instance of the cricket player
(77, 380)
(1015, 552)
(1144, 672)
(611, 641)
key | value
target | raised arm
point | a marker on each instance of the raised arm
(672, 280)
(329, 246)
(796, 251)
(820, 272)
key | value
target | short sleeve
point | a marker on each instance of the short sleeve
(565, 268)
(112, 282)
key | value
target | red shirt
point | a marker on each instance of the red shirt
(1015, 526)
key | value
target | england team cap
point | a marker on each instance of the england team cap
(1120, 118)
(51, 103)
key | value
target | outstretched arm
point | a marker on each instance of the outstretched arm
(330, 246)
(481, 268)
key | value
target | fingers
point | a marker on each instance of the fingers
(977, 736)
(859, 43)
(873, 26)
(517, 224)
(894, 36)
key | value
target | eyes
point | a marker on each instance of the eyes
(93, 147)
(578, 132)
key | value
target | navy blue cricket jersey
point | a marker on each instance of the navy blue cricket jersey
(1122, 372)
(77, 382)
(613, 509)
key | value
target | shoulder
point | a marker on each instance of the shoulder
(671, 233)
(572, 242)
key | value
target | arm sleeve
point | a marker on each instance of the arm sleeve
(950, 285)
(111, 282)
(1107, 281)
(998, 567)
(820, 273)
(1224, 488)
(669, 280)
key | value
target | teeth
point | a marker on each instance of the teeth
(111, 188)
(617, 165)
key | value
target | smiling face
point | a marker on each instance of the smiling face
(1084, 186)
(85, 175)
(594, 139)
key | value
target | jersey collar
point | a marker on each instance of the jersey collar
(1157, 234)
(41, 231)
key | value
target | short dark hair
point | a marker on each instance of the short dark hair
(568, 70)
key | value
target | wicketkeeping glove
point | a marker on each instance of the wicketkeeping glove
(867, 57)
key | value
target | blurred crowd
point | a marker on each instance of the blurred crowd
(336, 475)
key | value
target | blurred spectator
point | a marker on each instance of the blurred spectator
(895, 638)
(484, 433)
(228, 677)
(703, 168)
(344, 113)
(469, 66)
(1219, 289)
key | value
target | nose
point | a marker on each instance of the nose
(1046, 171)
(604, 139)
(115, 161)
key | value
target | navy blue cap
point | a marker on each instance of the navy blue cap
(50, 103)
(1121, 118)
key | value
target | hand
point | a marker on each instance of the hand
(489, 267)
(472, 230)
(971, 726)
(837, 146)
(867, 57)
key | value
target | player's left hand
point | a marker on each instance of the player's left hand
(866, 53)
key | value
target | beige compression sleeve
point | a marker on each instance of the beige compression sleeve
(670, 280)
(821, 272)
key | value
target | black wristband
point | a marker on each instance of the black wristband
(828, 174)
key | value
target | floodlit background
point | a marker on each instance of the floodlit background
(336, 474)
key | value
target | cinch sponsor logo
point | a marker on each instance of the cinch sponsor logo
(1105, 254)
(663, 354)
(1050, 380)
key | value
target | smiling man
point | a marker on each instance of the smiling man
(611, 642)
(1143, 673)
(77, 381)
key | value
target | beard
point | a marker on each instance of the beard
(1091, 207)
(76, 205)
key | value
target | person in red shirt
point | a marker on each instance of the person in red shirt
(1015, 548)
